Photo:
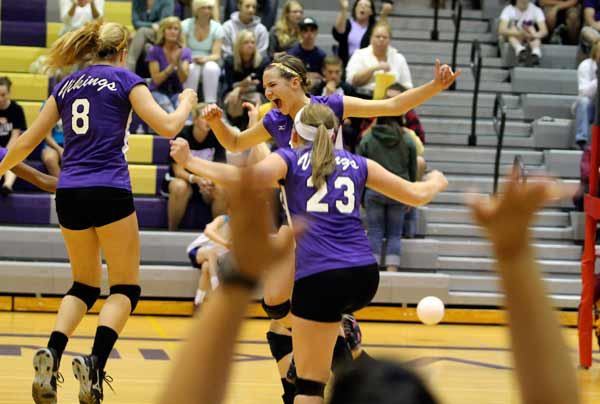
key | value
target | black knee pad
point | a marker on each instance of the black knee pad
(88, 294)
(132, 292)
(289, 392)
(279, 311)
(305, 387)
(281, 345)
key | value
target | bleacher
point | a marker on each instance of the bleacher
(451, 260)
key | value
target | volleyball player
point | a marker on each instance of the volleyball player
(43, 181)
(94, 202)
(336, 271)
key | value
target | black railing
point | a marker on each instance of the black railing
(499, 126)
(435, 33)
(475, 66)
(457, 11)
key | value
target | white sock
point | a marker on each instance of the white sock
(200, 295)
(214, 282)
(519, 48)
(537, 51)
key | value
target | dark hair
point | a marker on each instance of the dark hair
(397, 87)
(290, 67)
(332, 60)
(373, 13)
(379, 382)
(5, 81)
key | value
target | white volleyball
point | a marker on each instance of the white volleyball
(430, 310)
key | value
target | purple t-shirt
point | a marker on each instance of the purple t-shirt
(280, 126)
(595, 4)
(335, 238)
(171, 85)
(94, 106)
(2, 153)
(357, 32)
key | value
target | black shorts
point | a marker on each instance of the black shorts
(325, 296)
(82, 208)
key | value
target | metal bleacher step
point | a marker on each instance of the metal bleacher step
(476, 183)
(485, 264)
(497, 299)
(449, 167)
(482, 140)
(570, 285)
(459, 198)
(482, 155)
(495, 75)
(469, 230)
(483, 126)
(448, 111)
(462, 215)
(463, 247)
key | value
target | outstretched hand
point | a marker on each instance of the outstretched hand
(180, 151)
(212, 113)
(444, 76)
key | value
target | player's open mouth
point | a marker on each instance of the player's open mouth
(277, 102)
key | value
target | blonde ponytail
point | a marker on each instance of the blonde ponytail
(94, 40)
(322, 157)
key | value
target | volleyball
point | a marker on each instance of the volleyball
(430, 310)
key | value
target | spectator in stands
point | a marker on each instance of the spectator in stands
(169, 64)
(245, 19)
(146, 15)
(204, 36)
(390, 145)
(379, 56)
(12, 124)
(410, 118)
(181, 186)
(75, 13)
(308, 52)
(243, 77)
(332, 82)
(355, 32)
(53, 148)
(591, 19)
(268, 9)
(563, 19)
(286, 33)
(585, 105)
(523, 25)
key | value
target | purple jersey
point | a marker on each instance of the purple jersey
(94, 107)
(2, 153)
(280, 126)
(335, 238)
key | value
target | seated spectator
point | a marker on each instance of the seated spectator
(379, 56)
(268, 10)
(355, 32)
(563, 19)
(76, 13)
(204, 36)
(53, 149)
(169, 64)
(308, 52)
(146, 15)
(523, 25)
(388, 144)
(181, 186)
(12, 124)
(204, 252)
(591, 20)
(243, 77)
(286, 33)
(245, 19)
(585, 105)
(332, 82)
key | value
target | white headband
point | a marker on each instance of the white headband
(308, 132)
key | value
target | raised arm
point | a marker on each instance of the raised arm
(165, 124)
(340, 19)
(267, 172)
(21, 147)
(230, 138)
(543, 365)
(400, 104)
(409, 193)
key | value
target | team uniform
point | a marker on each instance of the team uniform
(3, 152)
(94, 188)
(336, 271)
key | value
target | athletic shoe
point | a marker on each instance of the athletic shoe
(533, 61)
(43, 389)
(352, 331)
(90, 377)
(522, 57)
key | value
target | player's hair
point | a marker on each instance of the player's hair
(290, 67)
(94, 41)
(5, 81)
(284, 32)
(162, 27)
(322, 155)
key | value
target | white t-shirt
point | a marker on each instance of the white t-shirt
(530, 16)
(81, 16)
(364, 58)
(587, 81)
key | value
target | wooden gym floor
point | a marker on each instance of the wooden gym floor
(463, 364)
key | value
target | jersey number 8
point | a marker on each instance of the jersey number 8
(314, 204)
(80, 120)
